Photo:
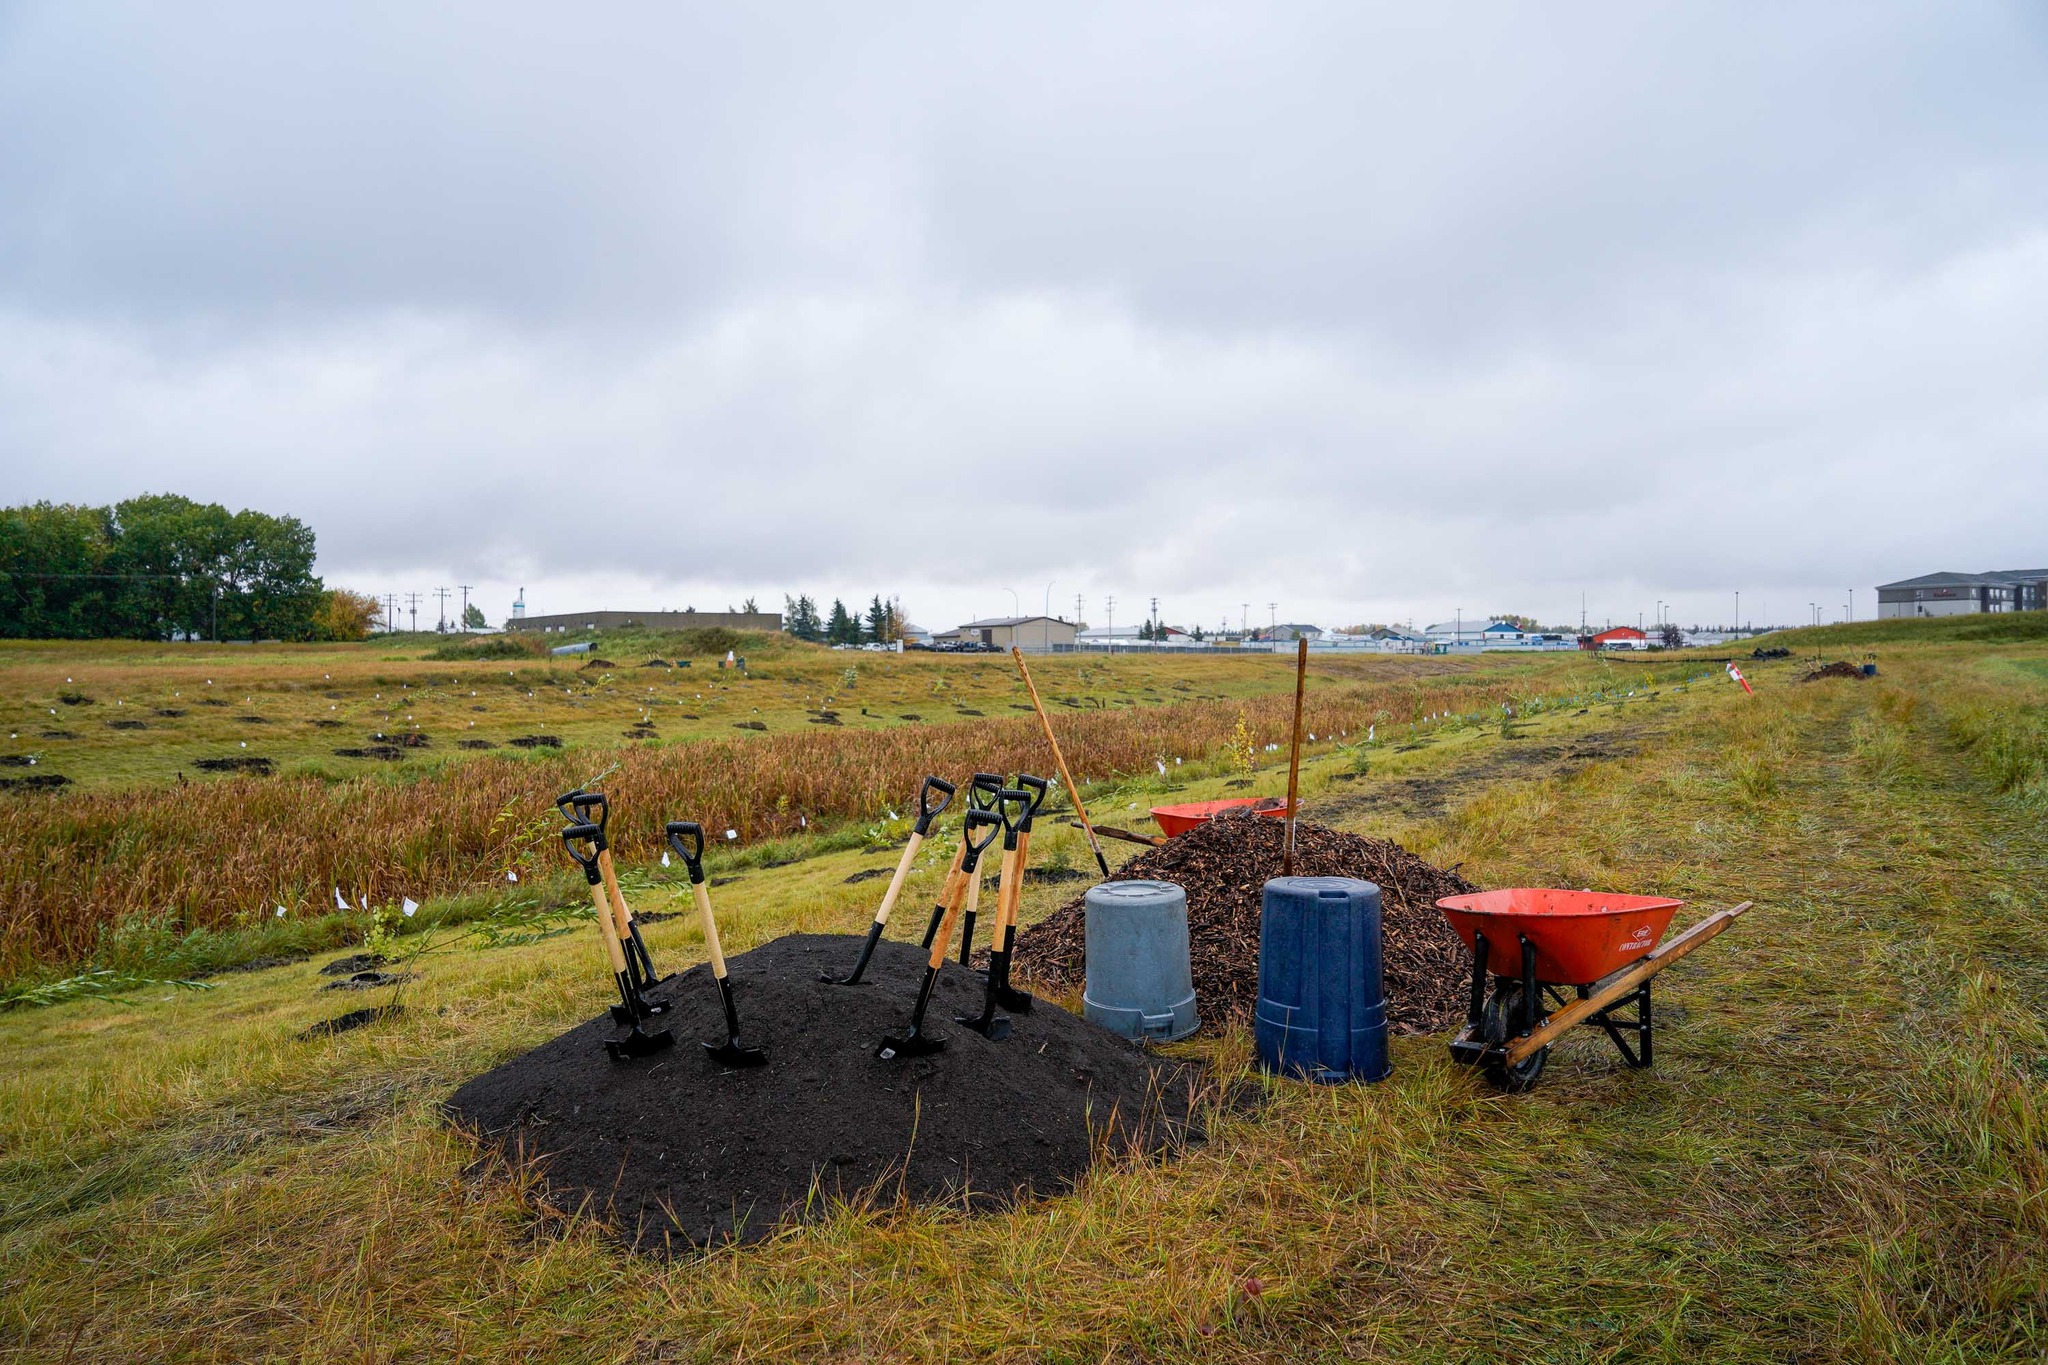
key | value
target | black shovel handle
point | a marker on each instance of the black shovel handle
(982, 789)
(926, 811)
(692, 853)
(576, 807)
(986, 820)
(1039, 788)
(585, 832)
(1007, 800)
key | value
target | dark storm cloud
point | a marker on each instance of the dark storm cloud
(1365, 308)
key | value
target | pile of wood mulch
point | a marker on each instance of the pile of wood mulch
(1838, 669)
(1224, 865)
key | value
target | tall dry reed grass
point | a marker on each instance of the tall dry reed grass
(220, 854)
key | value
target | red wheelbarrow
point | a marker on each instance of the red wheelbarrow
(1538, 945)
(1174, 821)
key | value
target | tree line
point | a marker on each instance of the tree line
(880, 624)
(163, 567)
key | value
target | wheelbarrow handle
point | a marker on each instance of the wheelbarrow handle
(583, 833)
(926, 811)
(692, 853)
(576, 806)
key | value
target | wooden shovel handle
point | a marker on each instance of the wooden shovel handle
(962, 891)
(1073, 792)
(621, 915)
(902, 875)
(710, 929)
(605, 927)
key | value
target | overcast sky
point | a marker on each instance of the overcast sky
(1376, 313)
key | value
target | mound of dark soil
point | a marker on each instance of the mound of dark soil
(749, 725)
(169, 712)
(58, 734)
(1224, 866)
(1838, 669)
(676, 1149)
(40, 782)
(353, 963)
(594, 662)
(413, 739)
(253, 720)
(535, 741)
(346, 1023)
(474, 744)
(388, 752)
(126, 725)
(213, 701)
(238, 764)
(16, 761)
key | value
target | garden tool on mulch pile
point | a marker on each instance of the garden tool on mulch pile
(686, 837)
(926, 813)
(976, 834)
(1005, 937)
(988, 1023)
(637, 1008)
(1060, 759)
(580, 807)
(981, 795)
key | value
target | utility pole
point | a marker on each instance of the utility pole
(1244, 616)
(1852, 604)
(441, 624)
(412, 604)
(1110, 639)
(1272, 620)
(1155, 620)
(465, 604)
(1738, 609)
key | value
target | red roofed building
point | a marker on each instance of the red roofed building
(1621, 637)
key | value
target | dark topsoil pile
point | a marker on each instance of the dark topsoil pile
(1838, 669)
(1224, 865)
(676, 1149)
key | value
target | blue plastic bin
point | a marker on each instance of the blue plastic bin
(1139, 980)
(1322, 1011)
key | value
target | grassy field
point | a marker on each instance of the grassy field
(1837, 1157)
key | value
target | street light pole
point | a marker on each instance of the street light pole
(1045, 621)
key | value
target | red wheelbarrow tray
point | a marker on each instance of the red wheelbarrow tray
(1580, 936)
(1175, 821)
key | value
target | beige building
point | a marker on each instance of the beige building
(1032, 634)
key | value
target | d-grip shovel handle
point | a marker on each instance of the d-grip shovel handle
(577, 805)
(585, 833)
(926, 811)
(982, 790)
(1006, 799)
(988, 821)
(1038, 787)
(691, 853)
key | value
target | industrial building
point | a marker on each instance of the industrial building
(1964, 594)
(648, 620)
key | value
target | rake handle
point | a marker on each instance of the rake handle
(1294, 758)
(1073, 792)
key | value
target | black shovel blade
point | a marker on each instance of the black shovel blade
(991, 1026)
(915, 1043)
(867, 951)
(732, 1053)
(639, 1044)
(1010, 998)
(626, 1018)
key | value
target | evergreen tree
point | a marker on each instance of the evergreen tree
(842, 629)
(800, 618)
(878, 623)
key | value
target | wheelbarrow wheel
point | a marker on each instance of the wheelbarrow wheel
(1499, 1020)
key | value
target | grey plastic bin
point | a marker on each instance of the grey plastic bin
(1139, 983)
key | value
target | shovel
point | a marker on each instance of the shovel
(981, 795)
(1005, 936)
(926, 813)
(916, 1042)
(577, 807)
(988, 1023)
(636, 1007)
(730, 1052)
(984, 793)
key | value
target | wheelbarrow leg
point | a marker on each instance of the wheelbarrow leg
(1476, 1009)
(1531, 1000)
(1643, 1053)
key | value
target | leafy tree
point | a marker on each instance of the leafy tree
(842, 628)
(156, 567)
(472, 617)
(748, 607)
(1672, 637)
(345, 615)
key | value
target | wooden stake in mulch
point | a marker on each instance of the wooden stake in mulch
(1073, 791)
(1294, 758)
